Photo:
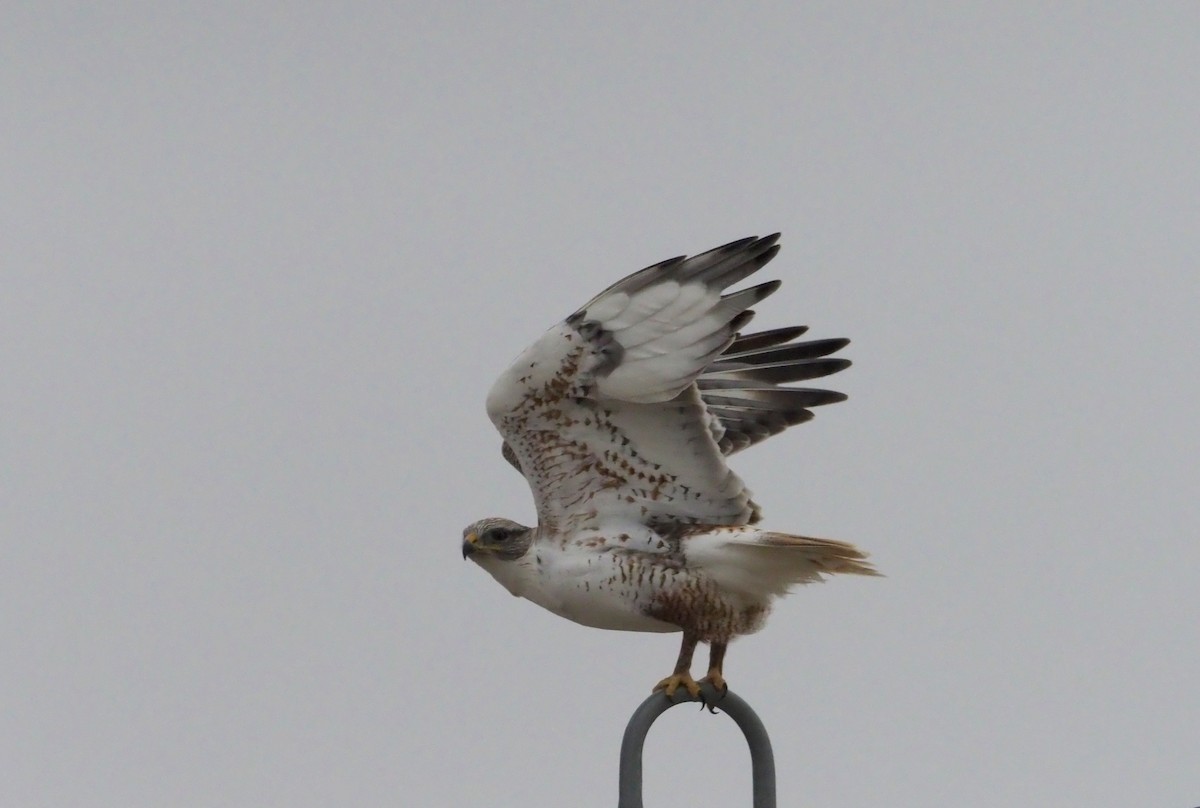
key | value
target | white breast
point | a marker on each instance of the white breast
(585, 586)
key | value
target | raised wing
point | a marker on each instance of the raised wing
(627, 408)
(743, 388)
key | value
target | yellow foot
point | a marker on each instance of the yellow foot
(718, 682)
(672, 683)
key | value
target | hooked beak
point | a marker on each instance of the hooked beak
(470, 544)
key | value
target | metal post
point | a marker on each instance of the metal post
(762, 760)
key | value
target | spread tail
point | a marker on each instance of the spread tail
(758, 562)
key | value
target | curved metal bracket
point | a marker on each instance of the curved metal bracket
(762, 759)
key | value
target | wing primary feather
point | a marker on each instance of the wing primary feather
(776, 372)
(741, 320)
(781, 353)
(755, 293)
(766, 339)
(703, 261)
(736, 267)
(774, 398)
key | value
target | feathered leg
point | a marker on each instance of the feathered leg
(683, 669)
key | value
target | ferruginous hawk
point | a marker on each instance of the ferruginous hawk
(621, 417)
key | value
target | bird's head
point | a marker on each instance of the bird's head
(496, 538)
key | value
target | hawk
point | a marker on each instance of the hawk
(621, 418)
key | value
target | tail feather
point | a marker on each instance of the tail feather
(831, 555)
(760, 562)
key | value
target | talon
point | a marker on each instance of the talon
(672, 683)
(718, 682)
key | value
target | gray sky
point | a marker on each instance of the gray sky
(261, 264)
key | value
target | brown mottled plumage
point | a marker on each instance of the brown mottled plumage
(621, 417)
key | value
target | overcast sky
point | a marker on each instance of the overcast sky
(261, 263)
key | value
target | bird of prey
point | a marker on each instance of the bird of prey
(621, 418)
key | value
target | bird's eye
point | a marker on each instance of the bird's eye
(499, 534)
